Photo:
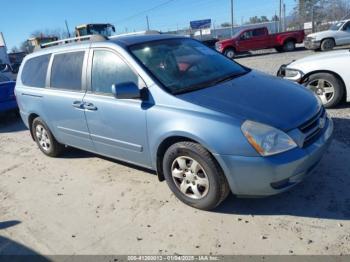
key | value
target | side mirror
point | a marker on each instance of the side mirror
(113, 29)
(126, 90)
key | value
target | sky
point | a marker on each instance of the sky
(18, 19)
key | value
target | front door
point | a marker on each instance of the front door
(343, 35)
(117, 127)
(252, 40)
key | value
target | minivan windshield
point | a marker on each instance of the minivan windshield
(183, 65)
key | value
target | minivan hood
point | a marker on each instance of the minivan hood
(259, 97)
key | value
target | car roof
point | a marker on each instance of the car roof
(122, 40)
(128, 40)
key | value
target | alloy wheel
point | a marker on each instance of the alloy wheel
(230, 54)
(290, 46)
(323, 89)
(190, 177)
(43, 137)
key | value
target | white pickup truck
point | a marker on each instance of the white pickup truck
(338, 34)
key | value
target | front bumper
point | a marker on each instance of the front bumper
(265, 176)
(312, 44)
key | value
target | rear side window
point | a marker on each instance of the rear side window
(259, 32)
(108, 69)
(35, 70)
(66, 72)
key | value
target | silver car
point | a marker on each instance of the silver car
(327, 75)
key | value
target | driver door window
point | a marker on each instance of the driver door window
(347, 27)
(247, 35)
(109, 69)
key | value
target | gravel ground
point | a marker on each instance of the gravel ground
(85, 204)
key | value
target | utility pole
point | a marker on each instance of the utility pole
(232, 26)
(280, 17)
(67, 28)
(147, 19)
(313, 16)
(284, 17)
(276, 22)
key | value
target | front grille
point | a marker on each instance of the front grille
(313, 127)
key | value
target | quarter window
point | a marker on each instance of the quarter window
(67, 70)
(35, 71)
(108, 69)
(259, 32)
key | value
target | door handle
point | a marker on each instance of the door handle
(90, 106)
(78, 104)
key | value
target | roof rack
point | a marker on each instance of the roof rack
(92, 38)
(149, 32)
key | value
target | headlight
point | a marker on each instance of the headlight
(293, 74)
(267, 140)
(218, 46)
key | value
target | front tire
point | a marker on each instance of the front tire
(45, 140)
(230, 53)
(327, 87)
(194, 176)
(327, 44)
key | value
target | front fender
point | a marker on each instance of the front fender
(219, 134)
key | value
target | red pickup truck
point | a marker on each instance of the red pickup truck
(259, 38)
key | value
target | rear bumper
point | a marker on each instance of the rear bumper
(8, 105)
(313, 45)
(260, 177)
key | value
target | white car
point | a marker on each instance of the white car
(338, 34)
(327, 75)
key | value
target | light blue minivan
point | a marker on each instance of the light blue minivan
(206, 124)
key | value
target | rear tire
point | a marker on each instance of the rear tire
(194, 176)
(327, 87)
(279, 49)
(45, 140)
(289, 46)
(327, 44)
(230, 53)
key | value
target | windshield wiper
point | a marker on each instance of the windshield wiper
(227, 78)
(209, 83)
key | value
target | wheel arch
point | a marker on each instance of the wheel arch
(289, 39)
(31, 118)
(229, 47)
(167, 143)
(330, 37)
(306, 77)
